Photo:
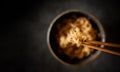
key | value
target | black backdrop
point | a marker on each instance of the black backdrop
(24, 30)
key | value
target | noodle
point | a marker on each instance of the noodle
(72, 34)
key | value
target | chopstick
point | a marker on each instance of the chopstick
(103, 43)
(103, 49)
(87, 43)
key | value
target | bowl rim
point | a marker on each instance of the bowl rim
(100, 27)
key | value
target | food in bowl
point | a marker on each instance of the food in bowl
(68, 31)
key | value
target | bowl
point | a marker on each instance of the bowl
(53, 45)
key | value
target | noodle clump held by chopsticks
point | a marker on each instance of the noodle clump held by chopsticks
(71, 33)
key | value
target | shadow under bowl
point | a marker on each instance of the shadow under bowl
(53, 45)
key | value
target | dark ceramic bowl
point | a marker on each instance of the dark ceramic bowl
(53, 46)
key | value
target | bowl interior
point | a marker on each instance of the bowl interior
(53, 42)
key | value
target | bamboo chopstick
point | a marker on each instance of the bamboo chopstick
(103, 43)
(102, 49)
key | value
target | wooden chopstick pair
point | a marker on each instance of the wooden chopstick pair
(87, 43)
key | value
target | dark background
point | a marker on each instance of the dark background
(24, 30)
